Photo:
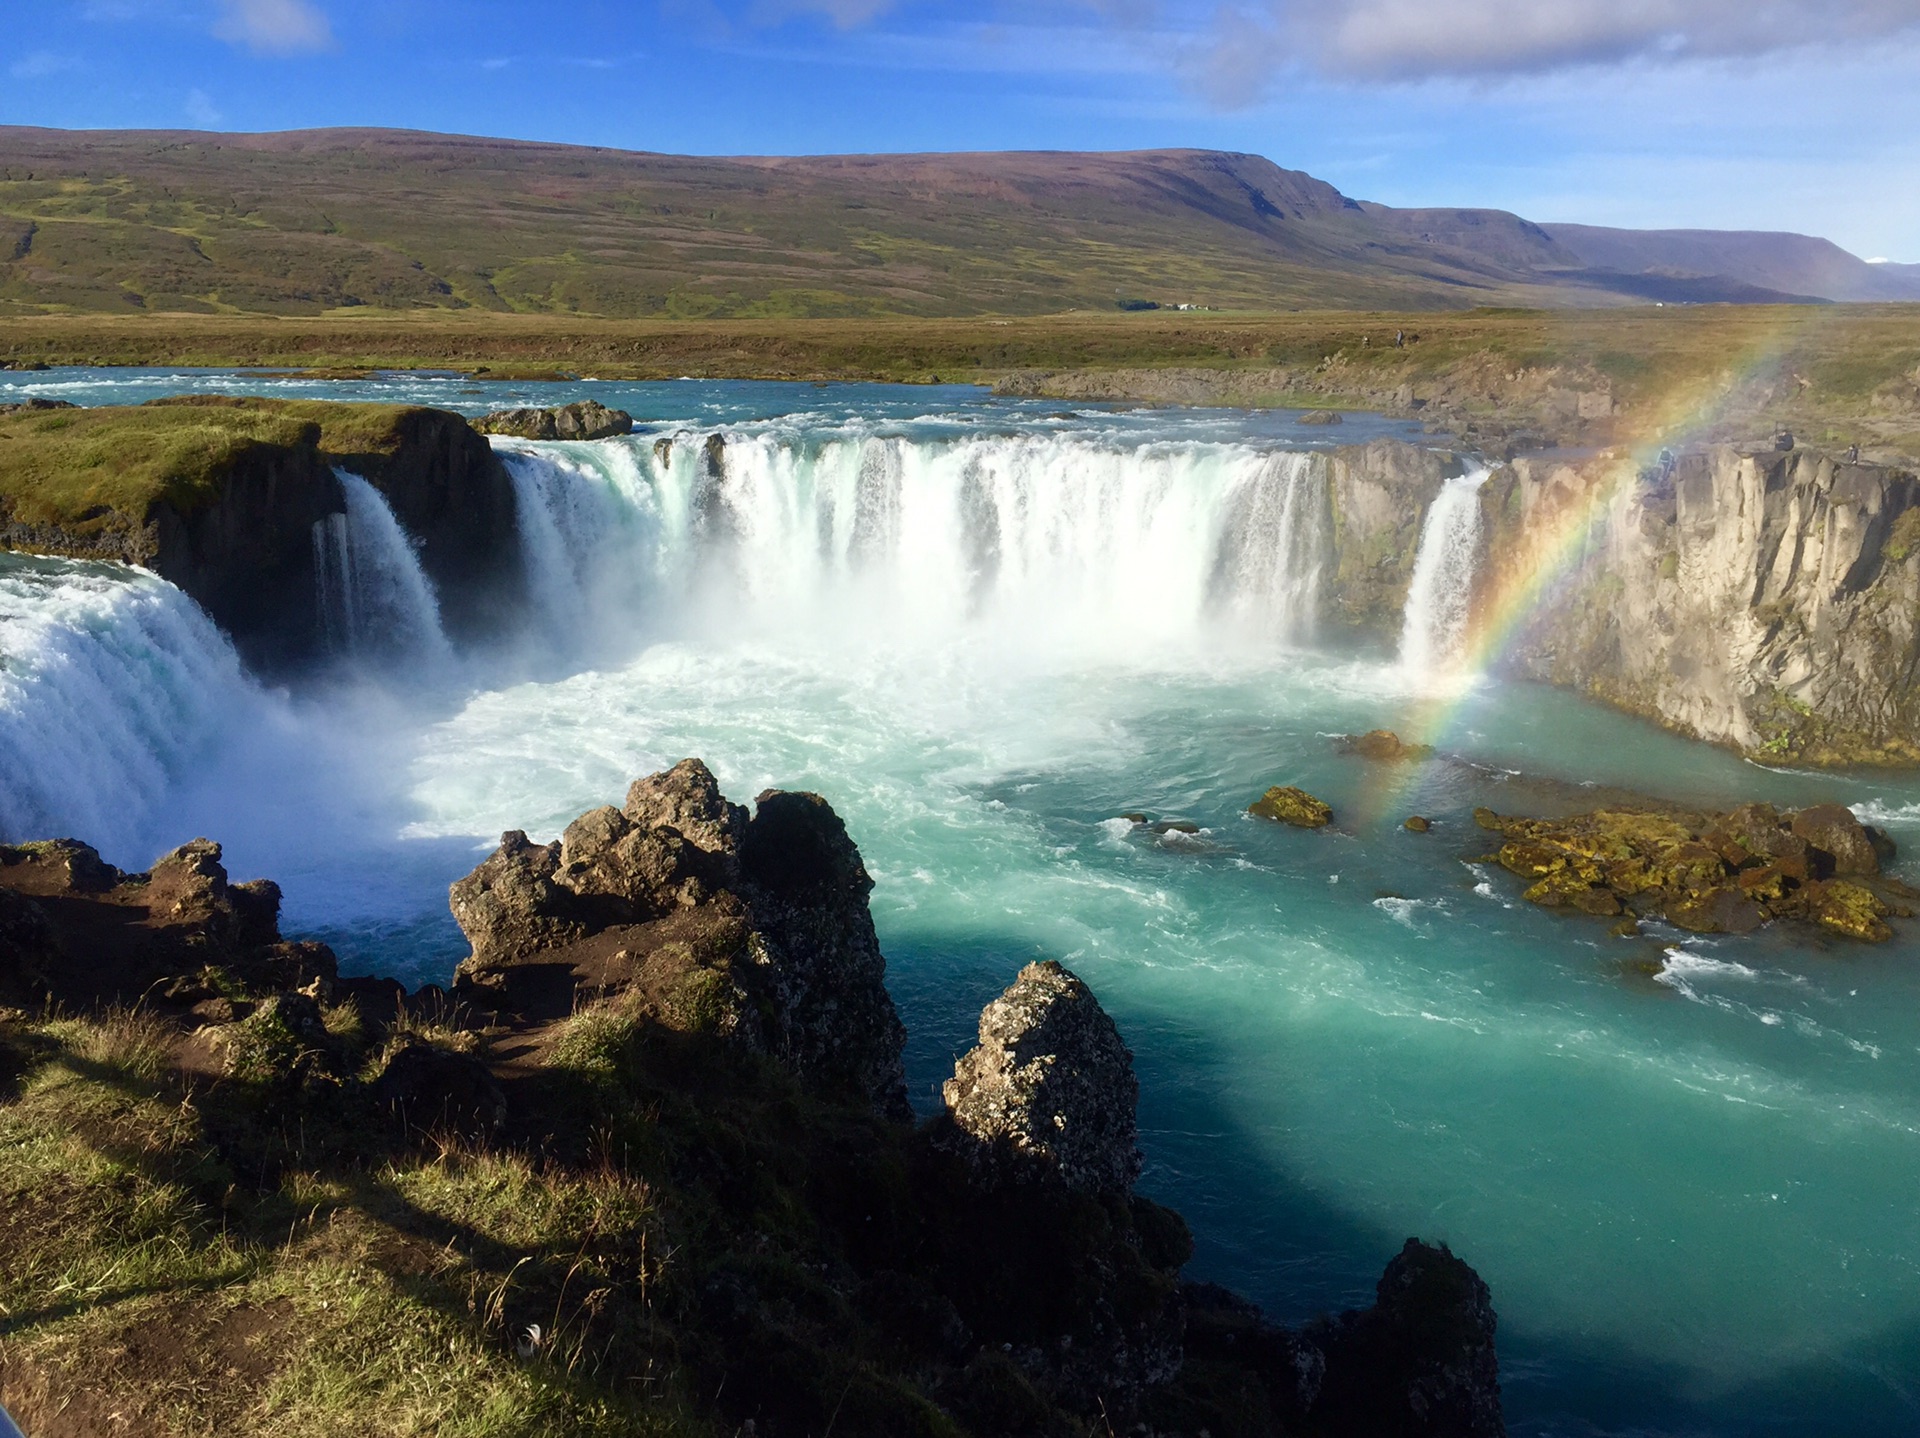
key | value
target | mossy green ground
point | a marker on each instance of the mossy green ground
(74, 465)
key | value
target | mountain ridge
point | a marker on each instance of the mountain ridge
(318, 221)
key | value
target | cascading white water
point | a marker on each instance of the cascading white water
(1434, 630)
(1040, 536)
(374, 599)
(112, 681)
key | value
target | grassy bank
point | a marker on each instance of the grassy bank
(81, 466)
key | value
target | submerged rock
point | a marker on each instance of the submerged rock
(1319, 416)
(1288, 805)
(1710, 873)
(1382, 744)
(754, 930)
(1049, 1091)
(585, 419)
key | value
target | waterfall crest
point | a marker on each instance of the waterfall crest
(112, 681)
(1044, 536)
(1433, 632)
(374, 600)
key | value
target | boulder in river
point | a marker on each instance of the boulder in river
(1382, 744)
(584, 419)
(1288, 805)
(1710, 873)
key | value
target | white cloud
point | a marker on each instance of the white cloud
(275, 27)
(1417, 39)
(40, 64)
(201, 110)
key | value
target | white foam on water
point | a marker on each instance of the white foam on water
(113, 683)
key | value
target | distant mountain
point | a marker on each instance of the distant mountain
(315, 221)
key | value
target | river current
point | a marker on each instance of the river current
(986, 630)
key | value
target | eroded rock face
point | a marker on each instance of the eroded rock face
(77, 929)
(1049, 1091)
(585, 419)
(1764, 599)
(753, 929)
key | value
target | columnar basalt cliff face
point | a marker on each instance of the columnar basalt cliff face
(1769, 600)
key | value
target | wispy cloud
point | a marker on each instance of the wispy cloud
(40, 64)
(275, 27)
(201, 110)
(1252, 44)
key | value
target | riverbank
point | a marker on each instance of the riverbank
(1842, 374)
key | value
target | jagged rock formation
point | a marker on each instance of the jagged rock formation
(755, 930)
(77, 930)
(584, 419)
(1421, 1362)
(1763, 599)
(1049, 1092)
(1710, 873)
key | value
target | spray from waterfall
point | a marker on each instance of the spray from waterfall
(1433, 633)
(112, 683)
(1043, 538)
(374, 600)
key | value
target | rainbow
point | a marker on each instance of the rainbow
(1549, 563)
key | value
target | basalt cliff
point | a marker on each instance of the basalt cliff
(1765, 597)
(647, 1166)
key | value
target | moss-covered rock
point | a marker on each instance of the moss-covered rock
(1288, 805)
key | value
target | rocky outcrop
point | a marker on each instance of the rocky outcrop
(585, 419)
(1049, 1091)
(240, 537)
(680, 905)
(1710, 873)
(1285, 804)
(1763, 599)
(1421, 1362)
(77, 930)
(249, 557)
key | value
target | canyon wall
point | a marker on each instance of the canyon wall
(1769, 600)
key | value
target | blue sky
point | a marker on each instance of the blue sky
(1760, 114)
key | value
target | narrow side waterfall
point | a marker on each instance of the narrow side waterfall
(112, 682)
(1439, 600)
(1042, 536)
(375, 601)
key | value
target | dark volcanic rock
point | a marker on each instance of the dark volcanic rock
(1832, 830)
(753, 929)
(102, 936)
(586, 419)
(1049, 1092)
(1421, 1362)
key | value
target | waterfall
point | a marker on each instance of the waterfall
(1434, 631)
(374, 600)
(111, 682)
(1048, 538)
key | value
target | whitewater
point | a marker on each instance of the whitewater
(985, 630)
